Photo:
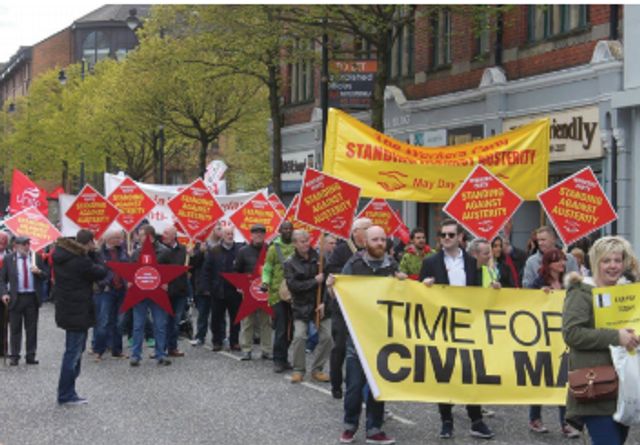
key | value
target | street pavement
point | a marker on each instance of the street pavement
(209, 398)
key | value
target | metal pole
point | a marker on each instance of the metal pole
(161, 137)
(324, 89)
(614, 182)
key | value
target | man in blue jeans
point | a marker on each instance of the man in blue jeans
(372, 261)
(76, 268)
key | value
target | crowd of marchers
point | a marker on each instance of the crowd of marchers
(307, 319)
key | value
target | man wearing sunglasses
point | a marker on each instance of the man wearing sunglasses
(453, 266)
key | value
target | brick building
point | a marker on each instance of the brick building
(450, 85)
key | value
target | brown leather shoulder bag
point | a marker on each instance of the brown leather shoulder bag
(592, 384)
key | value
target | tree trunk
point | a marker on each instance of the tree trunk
(276, 120)
(377, 102)
(202, 156)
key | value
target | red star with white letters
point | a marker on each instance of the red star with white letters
(147, 278)
(249, 285)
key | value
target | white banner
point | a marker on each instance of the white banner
(161, 216)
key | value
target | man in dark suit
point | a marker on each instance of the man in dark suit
(20, 285)
(4, 318)
(453, 266)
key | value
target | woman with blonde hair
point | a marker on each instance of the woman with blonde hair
(611, 257)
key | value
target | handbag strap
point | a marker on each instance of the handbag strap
(279, 252)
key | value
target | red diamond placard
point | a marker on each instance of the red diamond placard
(277, 204)
(33, 224)
(327, 203)
(577, 206)
(257, 210)
(290, 215)
(90, 210)
(133, 203)
(195, 208)
(483, 204)
(381, 214)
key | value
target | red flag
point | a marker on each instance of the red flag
(25, 193)
(56, 193)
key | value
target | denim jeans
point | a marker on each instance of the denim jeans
(203, 305)
(179, 305)
(108, 331)
(312, 339)
(75, 342)
(355, 382)
(159, 328)
(603, 430)
(535, 413)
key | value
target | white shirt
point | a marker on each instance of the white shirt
(21, 288)
(455, 269)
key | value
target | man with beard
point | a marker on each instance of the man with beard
(373, 261)
(258, 321)
(341, 254)
(415, 253)
(272, 276)
(452, 266)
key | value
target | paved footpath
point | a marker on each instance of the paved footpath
(208, 398)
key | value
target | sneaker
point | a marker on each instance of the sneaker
(570, 432)
(486, 412)
(246, 356)
(197, 342)
(164, 362)
(266, 356)
(336, 393)
(537, 426)
(446, 432)
(381, 438)
(320, 376)
(480, 430)
(151, 343)
(297, 377)
(348, 436)
(75, 402)
(134, 362)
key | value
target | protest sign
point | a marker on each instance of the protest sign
(257, 210)
(277, 204)
(34, 225)
(90, 210)
(436, 344)
(617, 307)
(387, 168)
(327, 203)
(132, 202)
(290, 215)
(195, 208)
(381, 214)
(483, 204)
(577, 206)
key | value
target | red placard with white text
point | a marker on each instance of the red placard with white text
(133, 203)
(34, 225)
(381, 214)
(257, 210)
(195, 208)
(327, 203)
(277, 204)
(290, 215)
(483, 204)
(90, 210)
(577, 206)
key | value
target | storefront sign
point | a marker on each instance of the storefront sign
(351, 83)
(293, 164)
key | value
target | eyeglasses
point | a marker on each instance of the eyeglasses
(449, 235)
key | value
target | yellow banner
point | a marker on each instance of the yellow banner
(387, 168)
(456, 344)
(617, 307)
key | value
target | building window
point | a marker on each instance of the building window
(95, 47)
(441, 38)
(545, 21)
(301, 77)
(362, 48)
(402, 51)
(482, 36)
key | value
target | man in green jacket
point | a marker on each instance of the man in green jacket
(272, 277)
(415, 253)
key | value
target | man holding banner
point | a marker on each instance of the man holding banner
(373, 261)
(452, 266)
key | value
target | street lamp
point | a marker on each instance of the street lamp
(133, 22)
(62, 78)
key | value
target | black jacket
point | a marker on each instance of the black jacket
(247, 258)
(433, 267)
(300, 274)
(220, 259)
(175, 255)
(197, 263)
(75, 271)
(334, 265)
(103, 257)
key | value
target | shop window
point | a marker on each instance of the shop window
(441, 38)
(545, 21)
(95, 48)
(301, 76)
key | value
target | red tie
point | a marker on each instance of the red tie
(25, 277)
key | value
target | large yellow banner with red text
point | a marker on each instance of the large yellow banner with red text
(387, 168)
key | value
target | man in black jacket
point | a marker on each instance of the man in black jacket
(334, 265)
(76, 268)
(452, 266)
(301, 273)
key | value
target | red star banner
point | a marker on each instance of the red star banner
(483, 204)
(277, 204)
(91, 211)
(381, 214)
(327, 203)
(577, 206)
(249, 285)
(133, 203)
(146, 278)
(196, 208)
(290, 215)
(257, 210)
(33, 224)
